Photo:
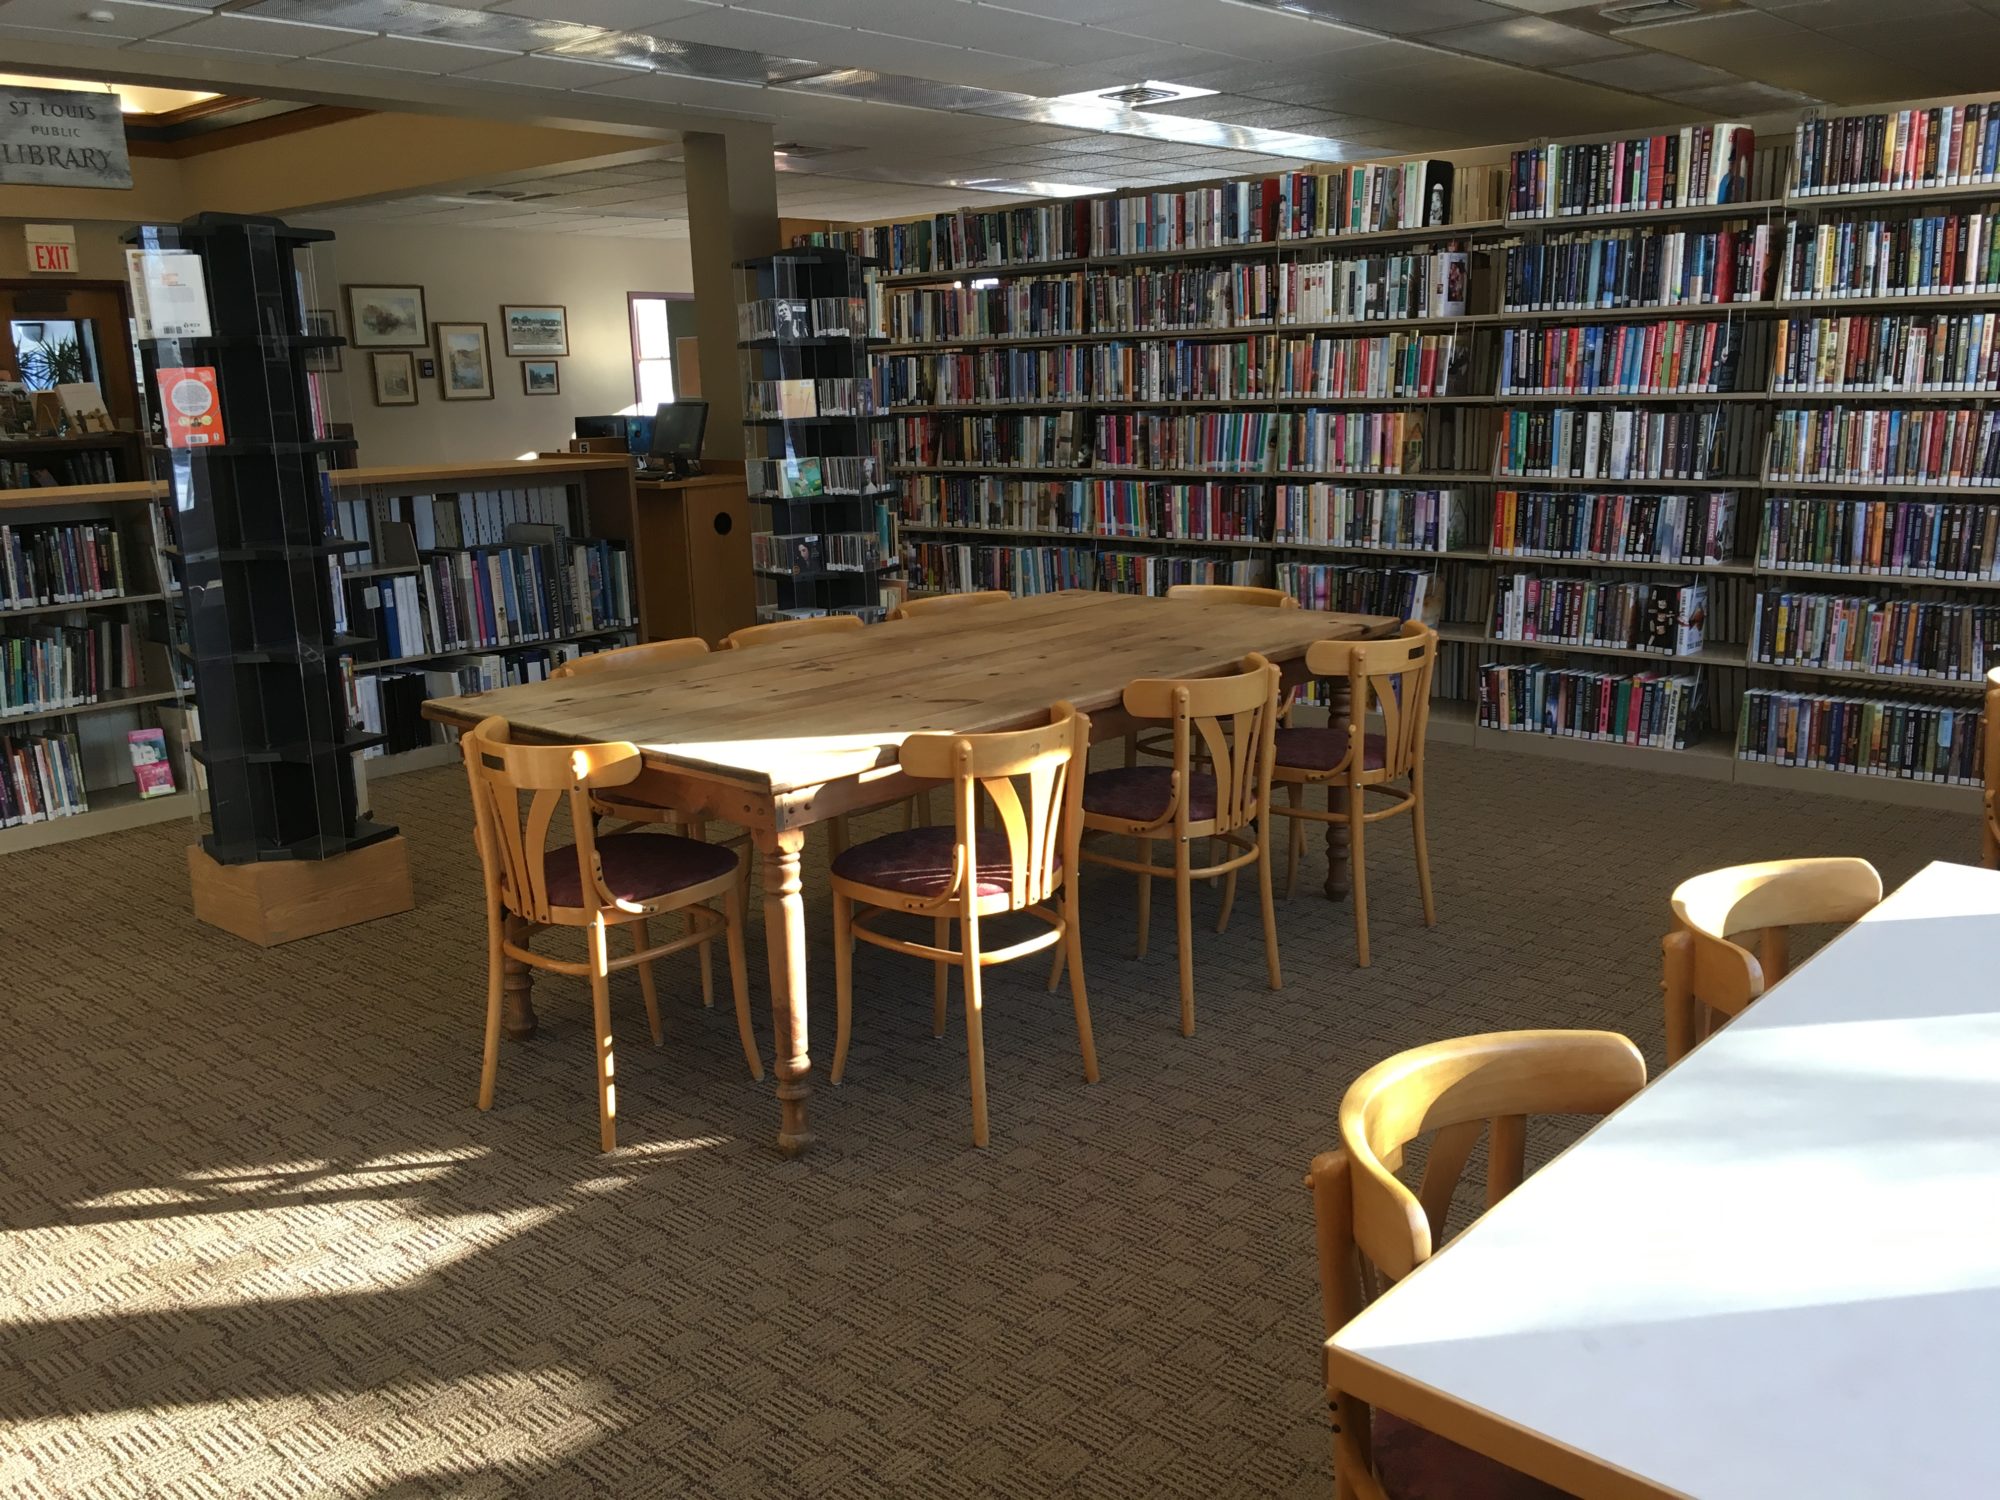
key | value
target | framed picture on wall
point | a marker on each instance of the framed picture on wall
(322, 324)
(541, 377)
(531, 331)
(465, 365)
(386, 317)
(394, 376)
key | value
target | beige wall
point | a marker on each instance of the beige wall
(466, 274)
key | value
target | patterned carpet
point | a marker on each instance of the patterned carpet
(258, 1242)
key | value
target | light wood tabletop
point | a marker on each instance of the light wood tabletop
(792, 734)
(1776, 1271)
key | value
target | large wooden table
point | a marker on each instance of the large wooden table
(1775, 1272)
(789, 735)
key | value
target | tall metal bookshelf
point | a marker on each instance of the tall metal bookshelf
(1463, 566)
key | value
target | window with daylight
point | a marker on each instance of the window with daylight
(652, 350)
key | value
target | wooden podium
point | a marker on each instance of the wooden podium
(694, 555)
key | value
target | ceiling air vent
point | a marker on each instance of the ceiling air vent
(1137, 95)
(1649, 12)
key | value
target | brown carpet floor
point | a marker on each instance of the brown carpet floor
(255, 1240)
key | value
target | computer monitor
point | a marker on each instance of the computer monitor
(678, 428)
(602, 427)
(639, 438)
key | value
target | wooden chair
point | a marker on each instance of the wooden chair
(943, 604)
(1391, 678)
(594, 884)
(1372, 1230)
(631, 658)
(1158, 744)
(1232, 719)
(1707, 977)
(1990, 826)
(1032, 780)
(774, 631)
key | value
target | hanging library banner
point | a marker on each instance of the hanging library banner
(62, 138)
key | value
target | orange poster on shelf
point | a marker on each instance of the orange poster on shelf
(192, 406)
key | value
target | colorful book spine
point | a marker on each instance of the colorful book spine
(1908, 739)
(1936, 638)
(1639, 708)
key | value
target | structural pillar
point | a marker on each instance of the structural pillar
(732, 192)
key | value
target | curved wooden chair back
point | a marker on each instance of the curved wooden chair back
(944, 604)
(1233, 593)
(1233, 720)
(1453, 1091)
(1391, 678)
(774, 631)
(1990, 833)
(1033, 780)
(1709, 977)
(621, 658)
(1370, 1227)
(512, 840)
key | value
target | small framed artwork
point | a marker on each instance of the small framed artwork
(465, 364)
(394, 374)
(386, 317)
(541, 377)
(534, 331)
(322, 324)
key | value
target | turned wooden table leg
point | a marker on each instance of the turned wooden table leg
(785, 944)
(1338, 869)
(517, 1004)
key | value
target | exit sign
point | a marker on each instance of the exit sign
(52, 248)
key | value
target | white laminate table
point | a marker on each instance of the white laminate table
(1774, 1273)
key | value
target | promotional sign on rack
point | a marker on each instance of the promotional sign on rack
(192, 406)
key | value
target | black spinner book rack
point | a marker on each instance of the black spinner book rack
(252, 524)
(810, 429)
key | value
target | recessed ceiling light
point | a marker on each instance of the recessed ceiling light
(100, 17)
(1136, 95)
(1649, 12)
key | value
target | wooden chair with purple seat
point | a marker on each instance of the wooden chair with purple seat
(1373, 1230)
(1230, 721)
(1706, 977)
(594, 884)
(1391, 679)
(1030, 781)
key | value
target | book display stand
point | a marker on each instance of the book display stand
(289, 851)
(810, 426)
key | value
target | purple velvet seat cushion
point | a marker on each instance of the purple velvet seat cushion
(1414, 1464)
(1142, 794)
(1322, 749)
(920, 862)
(637, 866)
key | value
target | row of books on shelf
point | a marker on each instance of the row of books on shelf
(1651, 709)
(1951, 252)
(807, 478)
(1371, 197)
(1887, 352)
(1400, 593)
(464, 518)
(1165, 298)
(1908, 538)
(1589, 270)
(1134, 508)
(1027, 307)
(1886, 445)
(1694, 527)
(1669, 619)
(71, 562)
(839, 396)
(49, 470)
(958, 567)
(41, 777)
(500, 596)
(797, 553)
(1057, 440)
(58, 667)
(1942, 639)
(1696, 166)
(1897, 149)
(784, 318)
(1672, 357)
(1418, 284)
(389, 703)
(1910, 740)
(1626, 443)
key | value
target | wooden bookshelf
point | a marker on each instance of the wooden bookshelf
(1727, 664)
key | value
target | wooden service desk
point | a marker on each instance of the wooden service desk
(693, 555)
(789, 735)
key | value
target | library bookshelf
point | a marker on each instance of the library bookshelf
(997, 492)
(64, 718)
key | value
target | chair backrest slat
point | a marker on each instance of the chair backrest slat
(774, 631)
(1233, 593)
(943, 604)
(630, 658)
(1391, 679)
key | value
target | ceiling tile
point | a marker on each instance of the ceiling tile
(541, 71)
(413, 54)
(1396, 17)
(619, 15)
(1532, 41)
(1245, 30)
(1645, 73)
(48, 36)
(1772, 50)
(240, 33)
(1085, 11)
(126, 21)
